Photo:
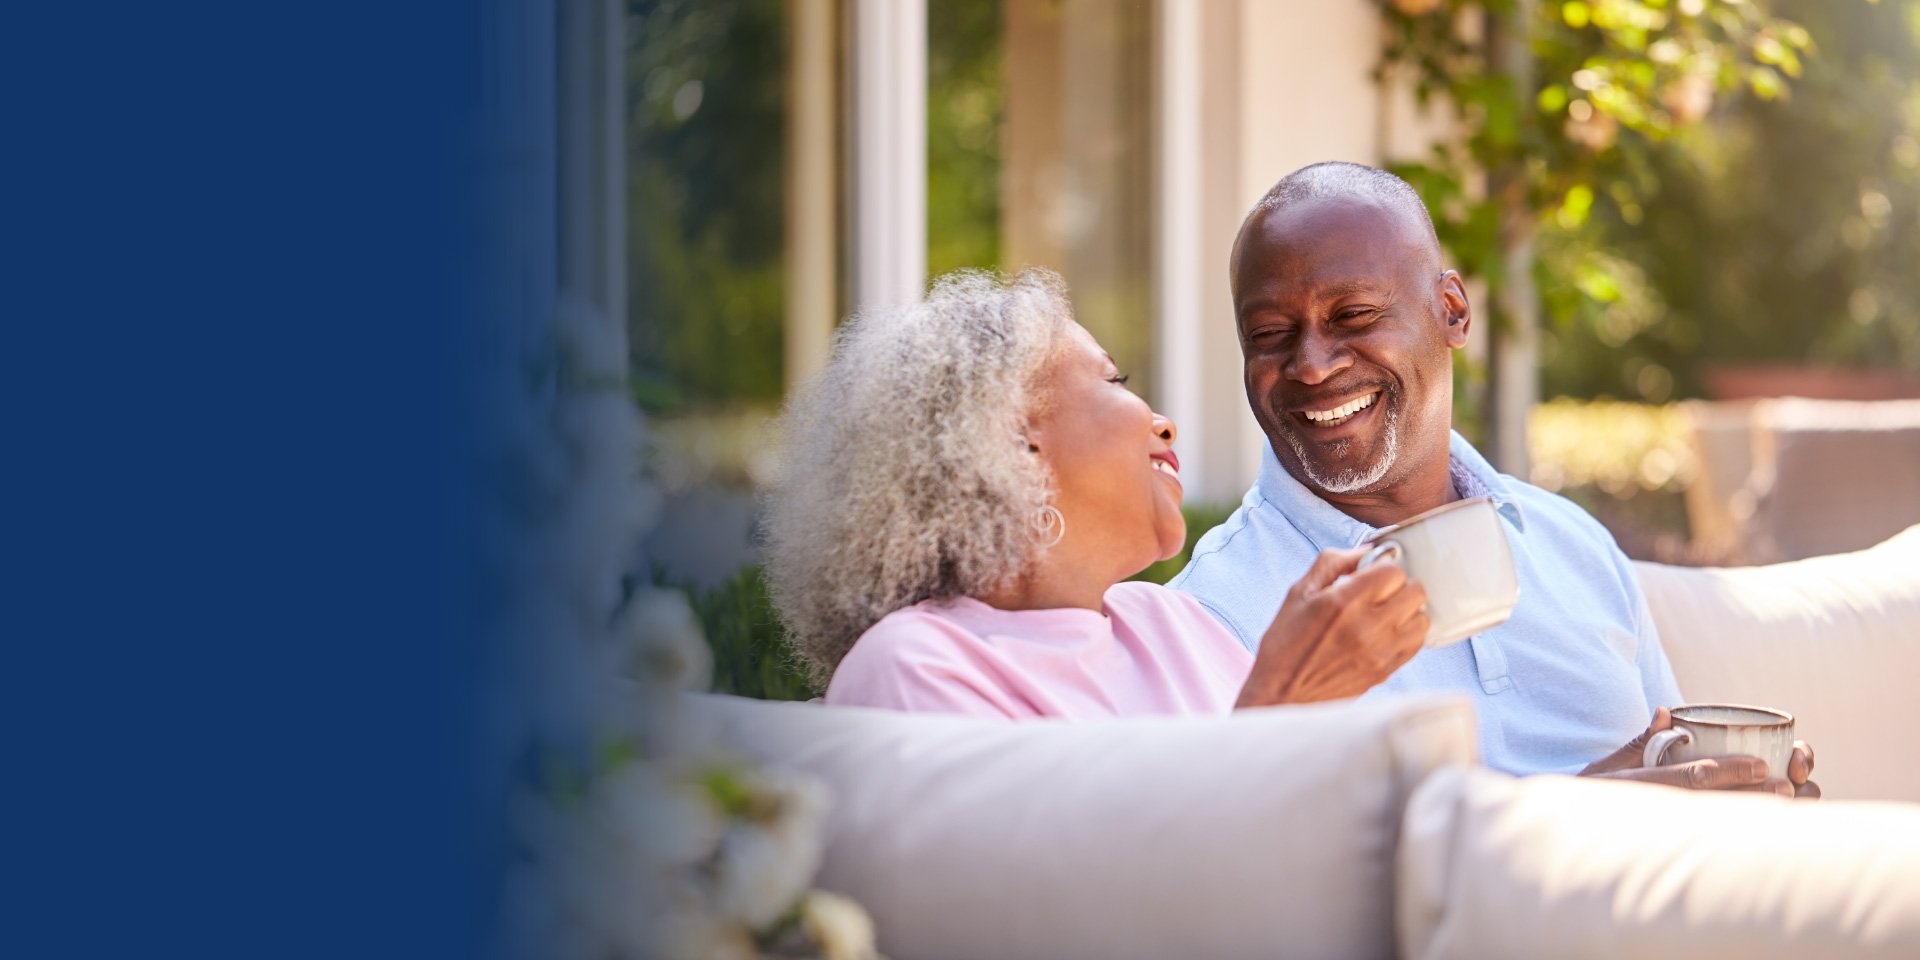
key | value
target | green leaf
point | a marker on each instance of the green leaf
(1770, 50)
(1577, 205)
(1766, 83)
(724, 786)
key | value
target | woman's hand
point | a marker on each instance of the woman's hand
(1338, 633)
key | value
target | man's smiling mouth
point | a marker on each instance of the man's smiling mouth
(1334, 416)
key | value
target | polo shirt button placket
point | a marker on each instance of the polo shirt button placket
(1490, 663)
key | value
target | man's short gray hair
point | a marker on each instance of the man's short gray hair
(904, 473)
(1339, 180)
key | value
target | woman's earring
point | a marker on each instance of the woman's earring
(1049, 525)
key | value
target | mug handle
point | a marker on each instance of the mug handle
(1377, 553)
(1657, 745)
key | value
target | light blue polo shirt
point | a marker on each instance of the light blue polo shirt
(1573, 675)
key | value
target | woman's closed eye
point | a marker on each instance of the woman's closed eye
(1119, 378)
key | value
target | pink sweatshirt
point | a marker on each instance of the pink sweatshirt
(1153, 651)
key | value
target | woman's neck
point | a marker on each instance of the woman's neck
(1050, 585)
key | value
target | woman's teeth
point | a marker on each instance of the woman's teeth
(1165, 467)
(1339, 414)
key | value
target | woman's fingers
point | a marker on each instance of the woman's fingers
(1373, 585)
(1330, 566)
(1376, 615)
(1374, 610)
(1402, 604)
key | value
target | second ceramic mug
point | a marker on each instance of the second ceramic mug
(1459, 553)
(1703, 730)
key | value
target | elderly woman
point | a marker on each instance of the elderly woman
(962, 493)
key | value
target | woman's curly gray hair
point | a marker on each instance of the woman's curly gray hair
(904, 472)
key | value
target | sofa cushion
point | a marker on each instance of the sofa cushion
(1270, 832)
(1834, 640)
(1493, 866)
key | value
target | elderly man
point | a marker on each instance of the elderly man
(1347, 322)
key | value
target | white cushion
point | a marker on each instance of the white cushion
(1270, 832)
(1493, 866)
(1834, 640)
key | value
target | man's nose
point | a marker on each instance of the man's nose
(1317, 356)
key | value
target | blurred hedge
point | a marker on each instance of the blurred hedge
(1628, 464)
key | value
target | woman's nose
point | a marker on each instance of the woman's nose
(1164, 429)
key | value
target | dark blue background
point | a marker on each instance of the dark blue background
(238, 664)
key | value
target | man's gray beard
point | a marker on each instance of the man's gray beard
(1351, 481)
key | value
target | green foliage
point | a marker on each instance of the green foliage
(1774, 228)
(1628, 464)
(751, 657)
(706, 159)
(1619, 448)
(1610, 78)
(1612, 89)
(966, 101)
(1789, 230)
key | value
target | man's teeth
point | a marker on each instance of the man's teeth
(1342, 411)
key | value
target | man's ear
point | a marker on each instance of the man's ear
(1454, 309)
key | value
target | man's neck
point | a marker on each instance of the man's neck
(1406, 498)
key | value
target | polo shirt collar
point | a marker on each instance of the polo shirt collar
(1326, 527)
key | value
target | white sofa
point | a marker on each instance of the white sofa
(1368, 830)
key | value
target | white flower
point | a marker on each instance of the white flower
(646, 863)
(838, 926)
(758, 878)
(658, 816)
(661, 642)
(766, 864)
(624, 901)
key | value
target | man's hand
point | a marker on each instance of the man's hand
(1714, 773)
(1338, 633)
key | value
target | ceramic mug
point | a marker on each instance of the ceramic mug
(1459, 553)
(1702, 730)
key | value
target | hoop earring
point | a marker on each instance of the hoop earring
(1049, 526)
